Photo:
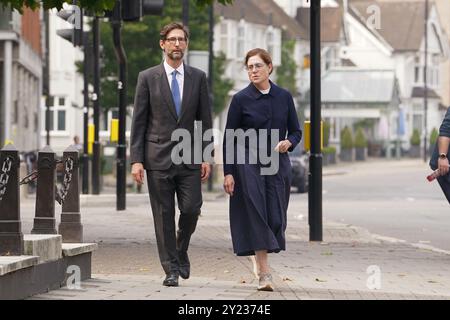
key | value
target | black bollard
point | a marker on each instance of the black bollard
(44, 221)
(70, 227)
(11, 237)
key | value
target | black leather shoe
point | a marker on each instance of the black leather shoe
(185, 266)
(171, 280)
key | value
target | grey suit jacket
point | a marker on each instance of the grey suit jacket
(155, 118)
(444, 131)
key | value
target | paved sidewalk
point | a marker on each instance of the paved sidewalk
(126, 265)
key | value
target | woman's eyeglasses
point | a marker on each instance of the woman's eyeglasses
(256, 67)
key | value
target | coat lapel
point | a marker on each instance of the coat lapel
(187, 90)
(166, 93)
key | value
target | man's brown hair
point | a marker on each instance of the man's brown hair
(172, 26)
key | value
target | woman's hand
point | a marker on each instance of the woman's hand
(283, 146)
(228, 184)
(443, 166)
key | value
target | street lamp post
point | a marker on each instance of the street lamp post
(185, 19)
(425, 85)
(85, 157)
(210, 75)
(116, 23)
(315, 158)
(96, 98)
(46, 76)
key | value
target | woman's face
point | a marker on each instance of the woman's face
(258, 70)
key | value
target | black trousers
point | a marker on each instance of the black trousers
(444, 182)
(163, 186)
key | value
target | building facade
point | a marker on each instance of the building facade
(399, 45)
(21, 78)
(66, 89)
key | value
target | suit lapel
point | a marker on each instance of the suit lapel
(166, 92)
(187, 90)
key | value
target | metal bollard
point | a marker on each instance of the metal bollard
(70, 227)
(11, 237)
(44, 221)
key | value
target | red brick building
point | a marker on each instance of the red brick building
(21, 54)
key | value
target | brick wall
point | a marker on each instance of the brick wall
(31, 29)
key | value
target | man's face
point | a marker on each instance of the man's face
(175, 44)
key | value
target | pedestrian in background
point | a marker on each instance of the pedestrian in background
(168, 97)
(77, 144)
(439, 158)
(258, 203)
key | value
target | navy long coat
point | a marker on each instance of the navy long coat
(258, 207)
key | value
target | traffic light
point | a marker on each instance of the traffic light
(133, 10)
(152, 7)
(73, 15)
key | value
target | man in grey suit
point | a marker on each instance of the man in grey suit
(439, 158)
(169, 97)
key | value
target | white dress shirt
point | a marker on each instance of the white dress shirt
(180, 76)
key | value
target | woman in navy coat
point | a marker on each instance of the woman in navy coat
(258, 201)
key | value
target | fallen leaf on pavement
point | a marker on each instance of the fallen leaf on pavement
(286, 279)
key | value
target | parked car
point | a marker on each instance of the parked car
(300, 169)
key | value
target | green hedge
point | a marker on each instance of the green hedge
(329, 150)
(360, 139)
(433, 136)
(415, 138)
(326, 133)
(346, 138)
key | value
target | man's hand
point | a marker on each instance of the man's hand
(443, 166)
(283, 146)
(137, 171)
(206, 170)
(228, 184)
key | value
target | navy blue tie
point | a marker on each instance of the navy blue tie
(176, 93)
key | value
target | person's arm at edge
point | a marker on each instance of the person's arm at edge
(138, 129)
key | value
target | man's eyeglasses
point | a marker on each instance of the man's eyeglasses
(173, 40)
(256, 67)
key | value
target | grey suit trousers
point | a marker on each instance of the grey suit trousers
(163, 185)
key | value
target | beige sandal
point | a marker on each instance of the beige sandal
(265, 282)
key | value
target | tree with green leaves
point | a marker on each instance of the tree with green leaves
(93, 5)
(287, 70)
(221, 85)
(141, 44)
